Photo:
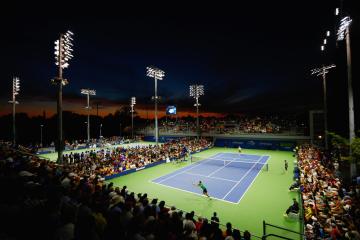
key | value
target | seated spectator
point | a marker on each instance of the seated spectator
(295, 185)
(236, 234)
(294, 208)
(247, 235)
(228, 231)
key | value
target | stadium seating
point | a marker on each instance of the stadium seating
(44, 200)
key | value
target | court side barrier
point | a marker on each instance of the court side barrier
(134, 170)
(265, 235)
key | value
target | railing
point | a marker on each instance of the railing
(265, 235)
(275, 235)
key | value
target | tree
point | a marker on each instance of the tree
(355, 149)
(340, 145)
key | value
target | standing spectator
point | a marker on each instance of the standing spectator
(215, 220)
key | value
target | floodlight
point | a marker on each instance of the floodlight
(344, 24)
(155, 73)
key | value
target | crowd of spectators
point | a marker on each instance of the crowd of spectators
(234, 125)
(110, 161)
(83, 143)
(331, 209)
(44, 200)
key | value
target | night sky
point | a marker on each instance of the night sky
(249, 58)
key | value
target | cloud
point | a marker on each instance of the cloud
(241, 95)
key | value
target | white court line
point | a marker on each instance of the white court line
(195, 165)
(268, 157)
(241, 178)
(219, 169)
(252, 160)
(193, 192)
(232, 161)
(218, 178)
(235, 158)
(199, 163)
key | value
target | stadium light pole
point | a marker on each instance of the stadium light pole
(63, 53)
(100, 130)
(196, 91)
(322, 72)
(157, 74)
(15, 91)
(41, 135)
(132, 104)
(344, 32)
(88, 92)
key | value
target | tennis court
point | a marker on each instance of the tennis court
(227, 176)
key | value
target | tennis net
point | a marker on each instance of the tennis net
(230, 163)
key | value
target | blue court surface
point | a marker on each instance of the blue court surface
(227, 176)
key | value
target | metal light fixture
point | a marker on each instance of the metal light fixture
(63, 53)
(322, 72)
(157, 74)
(15, 91)
(196, 91)
(41, 135)
(88, 92)
(132, 104)
(343, 28)
(344, 33)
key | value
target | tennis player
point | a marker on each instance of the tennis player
(203, 188)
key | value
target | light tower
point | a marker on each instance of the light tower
(132, 104)
(344, 32)
(63, 50)
(322, 72)
(88, 92)
(196, 91)
(41, 135)
(15, 91)
(157, 74)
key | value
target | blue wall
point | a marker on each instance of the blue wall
(162, 138)
(284, 145)
(133, 170)
(256, 144)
